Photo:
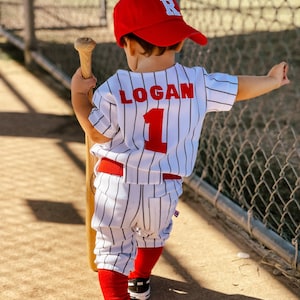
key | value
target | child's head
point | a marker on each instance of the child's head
(158, 22)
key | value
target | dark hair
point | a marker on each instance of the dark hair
(148, 47)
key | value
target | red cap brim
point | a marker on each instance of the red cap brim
(170, 33)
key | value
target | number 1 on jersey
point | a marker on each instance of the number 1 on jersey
(154, 118)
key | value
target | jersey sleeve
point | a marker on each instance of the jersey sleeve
(104, 113)
(221, 91)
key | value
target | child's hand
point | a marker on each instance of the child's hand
(279, 73)
(79, 85)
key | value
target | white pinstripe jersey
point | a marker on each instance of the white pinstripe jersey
(155, 118)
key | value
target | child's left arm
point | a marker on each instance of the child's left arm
(254, 86)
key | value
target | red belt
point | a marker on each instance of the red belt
(112, 167)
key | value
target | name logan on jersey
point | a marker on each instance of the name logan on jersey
(156, 92)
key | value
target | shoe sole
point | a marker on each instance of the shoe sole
(140, 296)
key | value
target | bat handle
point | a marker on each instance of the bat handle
(85, 58)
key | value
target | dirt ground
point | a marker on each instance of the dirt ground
(42, 211)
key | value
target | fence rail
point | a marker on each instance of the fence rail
(248, 162)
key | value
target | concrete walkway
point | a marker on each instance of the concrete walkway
(42, 208)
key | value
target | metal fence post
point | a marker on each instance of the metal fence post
(29, 31)
(178, 54)
(103, 17)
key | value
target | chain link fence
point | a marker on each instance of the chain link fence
(250, 155)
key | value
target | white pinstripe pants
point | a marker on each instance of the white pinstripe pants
(128, 216)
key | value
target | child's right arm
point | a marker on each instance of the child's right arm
(82, 106)
(254, 86)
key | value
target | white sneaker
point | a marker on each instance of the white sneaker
(139, 288)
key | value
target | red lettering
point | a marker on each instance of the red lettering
(123, 98)
(156, 92)
(187, 90)
(140, 95)
(171, 92)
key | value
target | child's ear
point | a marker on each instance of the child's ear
(179, 46)
(131, 46)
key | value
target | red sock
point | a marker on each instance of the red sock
(145, 261)
(113, 285)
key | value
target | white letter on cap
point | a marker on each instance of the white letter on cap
(170, 8)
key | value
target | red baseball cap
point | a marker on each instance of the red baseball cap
(158, 22)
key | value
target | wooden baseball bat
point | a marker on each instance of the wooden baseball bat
(85, 47)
